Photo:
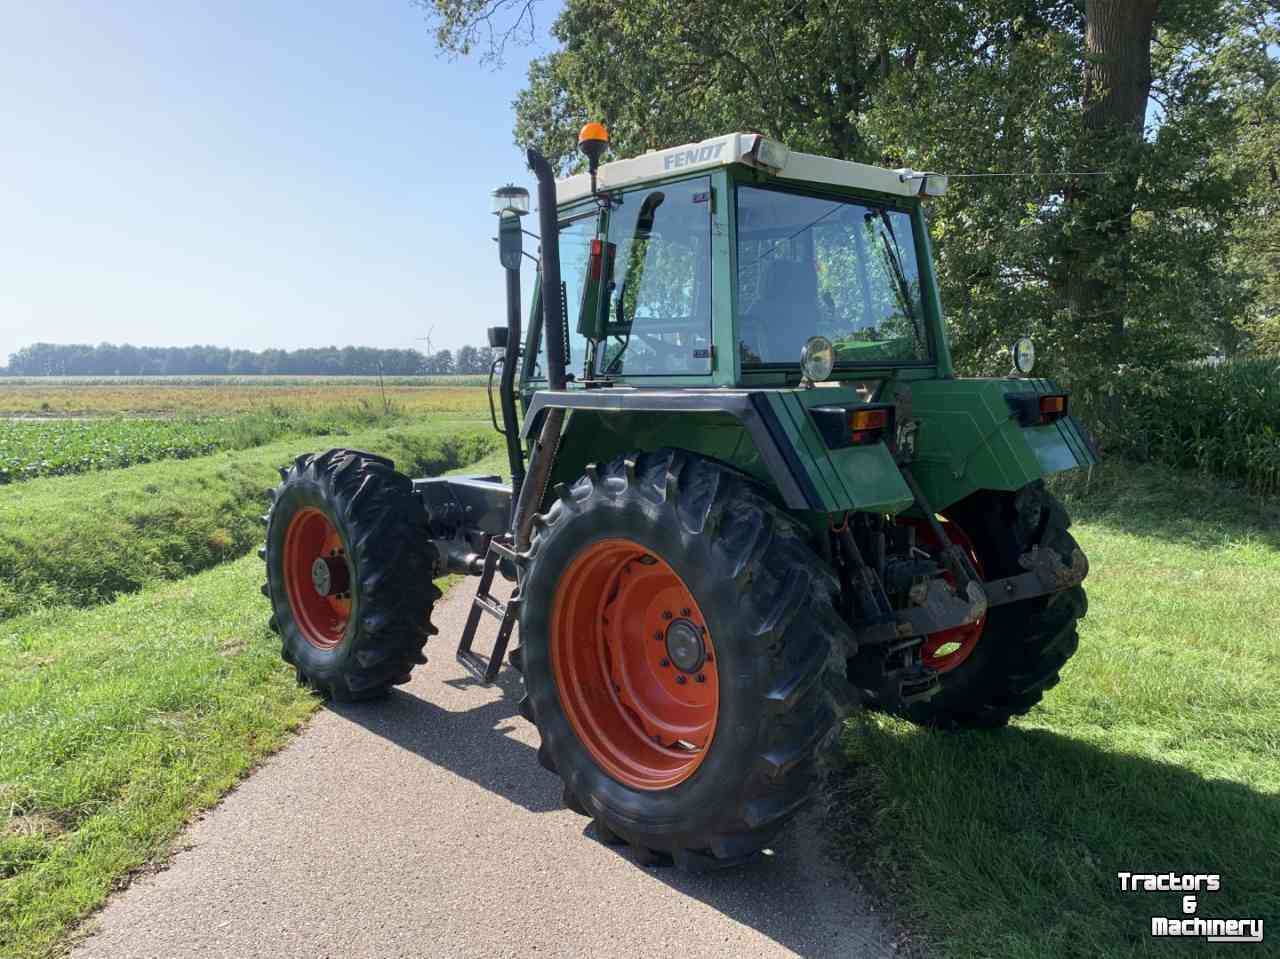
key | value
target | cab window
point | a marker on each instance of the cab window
(810, 265)
(658, 299)
(575, 249)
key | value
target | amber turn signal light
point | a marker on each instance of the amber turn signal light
(857, 426)
(1037, 409)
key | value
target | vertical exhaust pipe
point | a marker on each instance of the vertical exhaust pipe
(543, 454)
(549, 230)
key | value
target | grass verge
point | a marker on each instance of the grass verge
(1159, 751)
(82, 540)
(120, 723)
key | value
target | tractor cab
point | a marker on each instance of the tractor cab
(716, 263)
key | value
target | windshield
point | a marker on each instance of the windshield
(814, 265)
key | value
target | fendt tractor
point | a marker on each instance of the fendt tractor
(748, 495)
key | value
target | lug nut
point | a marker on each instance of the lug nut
(658, 635)
(681, 679)
(685, 611)
(666, 614)
(702, 678)
(665, 663)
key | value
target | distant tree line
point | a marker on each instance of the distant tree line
(108, 359)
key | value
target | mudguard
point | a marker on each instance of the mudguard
(767, 434)
(968, 438)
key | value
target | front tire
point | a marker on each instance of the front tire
(730, 600)
(349, 571)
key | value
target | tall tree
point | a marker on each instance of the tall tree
(1117, 88)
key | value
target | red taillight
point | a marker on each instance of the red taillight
(842, 426)
(597, 256)
(1037, 409)
(1053, 408)
(867, 426)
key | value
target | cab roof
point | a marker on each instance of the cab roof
(751, 149)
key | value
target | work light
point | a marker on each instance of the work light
(817, 358)
(1024, 355)
(509, 199)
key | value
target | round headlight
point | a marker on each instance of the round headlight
(1024, 355)
(817, 358)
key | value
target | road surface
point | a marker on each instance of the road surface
(422, 825)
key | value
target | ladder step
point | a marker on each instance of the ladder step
(485, 668)
(476, 665)
(491, 606)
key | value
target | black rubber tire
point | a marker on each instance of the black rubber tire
(1023, 645)
(767, 599)
(391, 561)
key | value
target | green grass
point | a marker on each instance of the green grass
(1159, 750)
(119, 723)
(82, 540)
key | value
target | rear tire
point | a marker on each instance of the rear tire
(352, 510)
(778, 647)
(1024, 645)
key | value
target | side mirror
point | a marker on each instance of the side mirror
(510, 241)
(497, 337)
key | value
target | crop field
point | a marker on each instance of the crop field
(53, 447)
(213, 396)
(139, 681)
(76, 426)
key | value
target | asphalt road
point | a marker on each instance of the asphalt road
(422, 825)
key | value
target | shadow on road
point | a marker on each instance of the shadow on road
(474, 744)
(797, 897)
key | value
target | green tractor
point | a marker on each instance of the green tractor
(748, 494)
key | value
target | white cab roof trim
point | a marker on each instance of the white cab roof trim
(734, 148)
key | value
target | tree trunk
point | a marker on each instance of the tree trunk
(1117, 84)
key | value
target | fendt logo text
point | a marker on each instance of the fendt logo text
(1189, 925)
(681, 158)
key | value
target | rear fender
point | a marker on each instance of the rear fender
(767, 434)
(968, 438)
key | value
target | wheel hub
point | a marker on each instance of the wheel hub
(317, 579)
(685, 648)
(946, 649)
(330, 576)
(634, 664)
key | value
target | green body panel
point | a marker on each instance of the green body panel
(969, 439)
(598, 436)
(857, 478)
(863, 478)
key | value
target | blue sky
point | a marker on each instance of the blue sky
(280, 174)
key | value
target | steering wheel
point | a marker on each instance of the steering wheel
(665, 358)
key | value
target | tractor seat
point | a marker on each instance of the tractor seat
(786, 315)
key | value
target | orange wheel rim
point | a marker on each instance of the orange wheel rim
(317, 578)
(946, 649)
(634, 665)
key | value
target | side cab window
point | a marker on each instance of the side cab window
(658, 282)
(577, 235)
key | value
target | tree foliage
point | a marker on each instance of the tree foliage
(1168, 253)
